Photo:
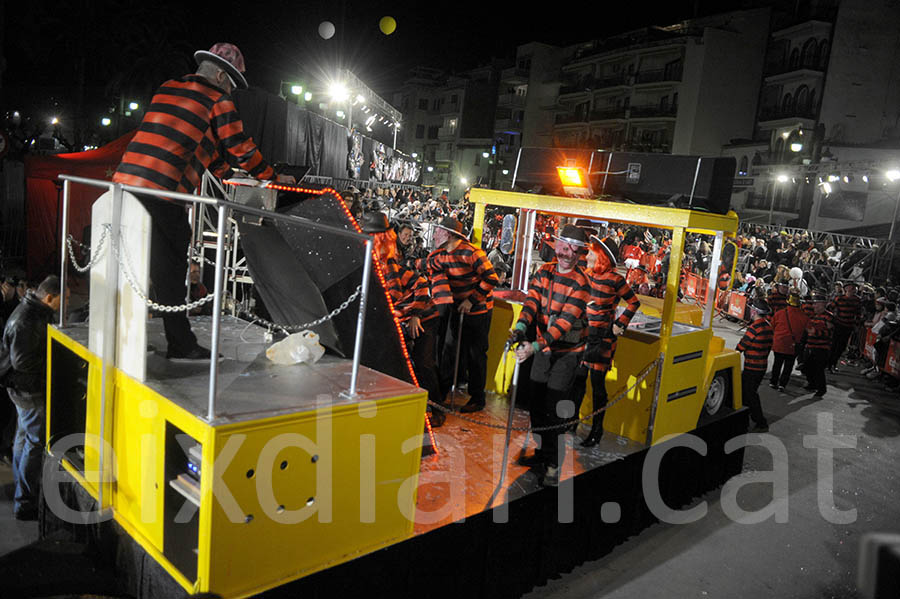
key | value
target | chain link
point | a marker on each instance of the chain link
(564, 425)
(300, 327)
(95, 257)
(121, 254)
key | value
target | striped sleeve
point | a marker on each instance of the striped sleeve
(487, 278)
(625, 293)
(440, 284)
(532, 305)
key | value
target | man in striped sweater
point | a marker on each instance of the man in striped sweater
(818, 345)
(557, 297)
(847, 312)
(190, 126)
(413, 307)
(756, 344)
(463, 279)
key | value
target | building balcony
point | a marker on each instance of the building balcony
(507, 125)
(514, 75)
(443, 156)
(447, 133)
(658, 76)
(570, 119)
(580, 86)
(653, 111)
(620, 79)
(448, 108)
(778, 68)
(608, 114)
(511, 100)
(775, 114)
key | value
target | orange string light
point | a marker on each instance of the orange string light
(378, 271)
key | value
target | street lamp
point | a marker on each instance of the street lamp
(106, 121)
(133, 106)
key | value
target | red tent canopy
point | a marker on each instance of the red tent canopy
(43, 210)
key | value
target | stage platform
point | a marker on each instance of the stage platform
(458, 545)
(471, 455)
(250, 386)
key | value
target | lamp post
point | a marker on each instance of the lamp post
(779, 179)
(892, 176)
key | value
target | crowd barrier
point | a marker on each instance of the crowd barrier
(695, 287)
(737, 304)
(891, 364)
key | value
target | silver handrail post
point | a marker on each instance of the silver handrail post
(217, 312)
(63, 258)
(361, 318)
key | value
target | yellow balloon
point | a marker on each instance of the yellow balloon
(387, 25)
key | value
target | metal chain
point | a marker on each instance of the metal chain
(566, 424)
(94, 258)
(299, 327)
(125, 261)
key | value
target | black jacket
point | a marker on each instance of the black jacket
(23, 349)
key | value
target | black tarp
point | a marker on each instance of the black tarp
(298, 269)
(286, 132)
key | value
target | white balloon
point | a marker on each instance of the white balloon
(796, 273)
(326, 30)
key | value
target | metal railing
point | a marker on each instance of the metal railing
(658, 75)
(223, 207)
(653, 110)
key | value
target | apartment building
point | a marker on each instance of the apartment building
(828, 108)
(687, 88)
(449, 125)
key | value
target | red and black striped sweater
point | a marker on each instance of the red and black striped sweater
(463, 273)
(190, 126)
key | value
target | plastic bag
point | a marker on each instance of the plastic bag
(299, 347)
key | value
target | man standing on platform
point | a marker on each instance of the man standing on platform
(607, 287)
(557, 298)
(756, 344)
(847, 311)
(190, 126)
(462, 277)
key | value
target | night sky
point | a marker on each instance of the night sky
(111, 42)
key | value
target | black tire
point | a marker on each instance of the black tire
(719, 398)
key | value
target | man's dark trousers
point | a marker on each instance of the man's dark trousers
(750, 380)
(472, 356)
(169, 240)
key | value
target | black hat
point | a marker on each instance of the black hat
(762, 307)
(573, 235)
(818, 295)
(375, 222)
(610, 246)
(228, 58)
(453, 226)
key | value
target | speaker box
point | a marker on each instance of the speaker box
(695, 182)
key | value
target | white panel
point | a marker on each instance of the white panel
(131, 347)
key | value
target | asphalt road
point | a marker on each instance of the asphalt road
(806, 557)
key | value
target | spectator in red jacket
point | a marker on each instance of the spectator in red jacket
(789, 326)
